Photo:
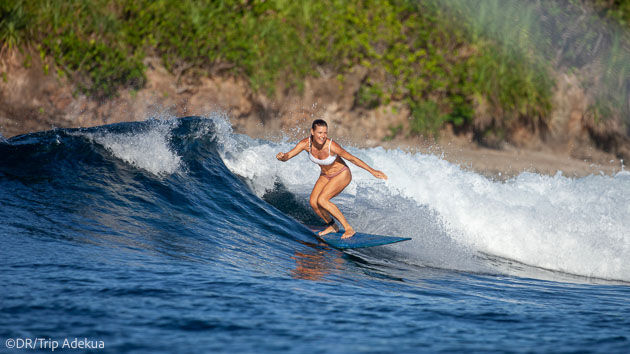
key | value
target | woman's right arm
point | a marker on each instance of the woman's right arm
(302, 145)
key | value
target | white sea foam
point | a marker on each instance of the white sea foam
(457, 218)
(148, 150)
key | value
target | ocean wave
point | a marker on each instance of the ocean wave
(195, 174)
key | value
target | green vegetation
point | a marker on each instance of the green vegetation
(567, 36)
(13, 25)
(419, 52)
(618, 10)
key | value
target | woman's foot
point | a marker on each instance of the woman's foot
(349, 233)
(329, 229)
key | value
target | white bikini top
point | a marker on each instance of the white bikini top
(327, 161)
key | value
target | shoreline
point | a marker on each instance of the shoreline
(510, 161)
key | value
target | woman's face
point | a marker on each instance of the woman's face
(320, 134)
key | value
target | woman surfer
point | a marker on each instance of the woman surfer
(335, 175)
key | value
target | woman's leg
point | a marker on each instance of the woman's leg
(317, 189)
(331, 190)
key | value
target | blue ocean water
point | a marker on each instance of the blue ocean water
(180, 236)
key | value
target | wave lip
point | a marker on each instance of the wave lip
(148, 149)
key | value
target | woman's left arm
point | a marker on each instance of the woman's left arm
(338, 150)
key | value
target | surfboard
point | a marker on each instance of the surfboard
(359, 240)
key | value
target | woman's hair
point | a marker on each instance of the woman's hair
(319, 122)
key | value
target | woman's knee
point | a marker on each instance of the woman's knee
(322, 201)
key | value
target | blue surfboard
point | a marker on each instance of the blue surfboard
(359, 240)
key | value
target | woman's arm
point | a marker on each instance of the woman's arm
(338, 150)
(296, 150)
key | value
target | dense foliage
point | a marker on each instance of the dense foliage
(415, 51)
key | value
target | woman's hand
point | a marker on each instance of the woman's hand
(282, 156)
(379, 174)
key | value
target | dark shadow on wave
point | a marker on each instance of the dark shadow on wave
(292, 205)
